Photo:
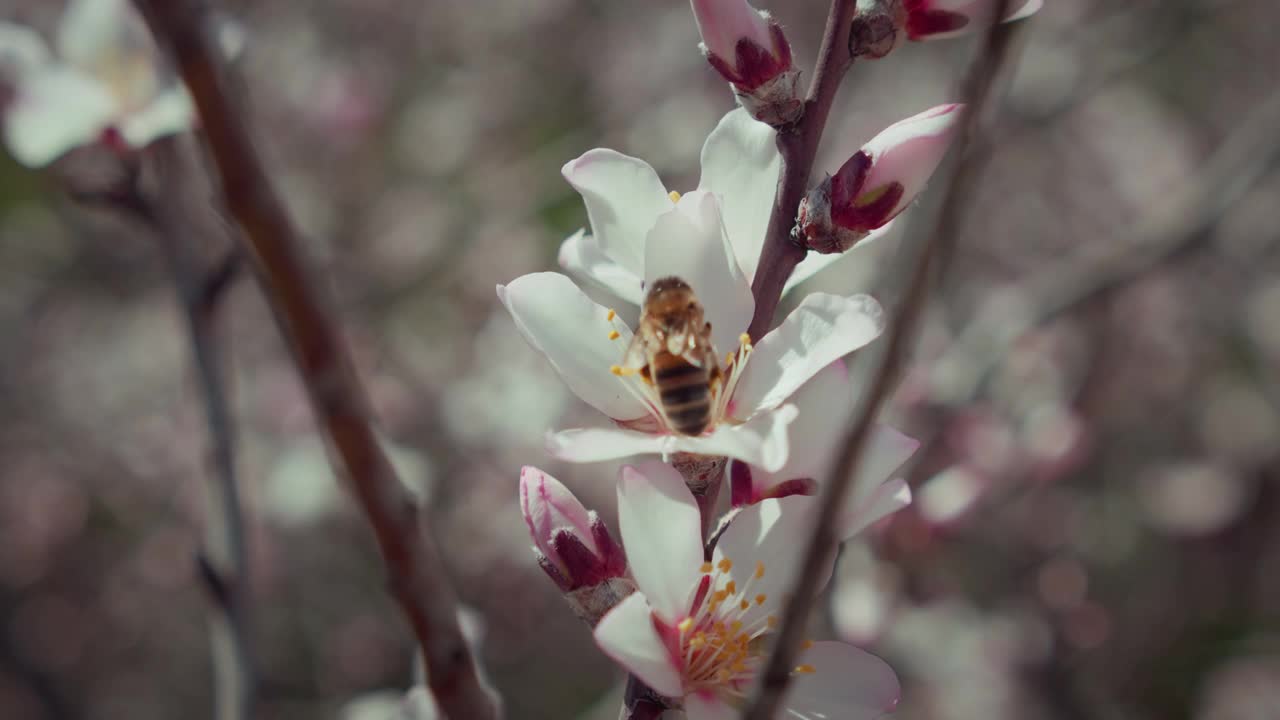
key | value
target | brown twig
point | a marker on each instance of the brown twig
(1238, 163)
(777, 673)
(798, 145)
(222, 564)
(417, 575)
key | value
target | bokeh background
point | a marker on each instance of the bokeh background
(1097, 525)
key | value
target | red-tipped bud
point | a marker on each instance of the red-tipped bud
(572, 545)
(877, 183)
(935, 19)
(749, 50)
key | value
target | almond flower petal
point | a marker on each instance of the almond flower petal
(740, 164)
(877, 182)
(724, 23)
(820, 330)
(841, 681)
(171, 112)
(559, 320)
(55, 109)
(689, 242)
(709, 706)
(760, 441)
(581, 257)
(938, 19)
(661, 533)
(627, 635)
(624, 197)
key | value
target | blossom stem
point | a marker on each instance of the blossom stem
(778, 670)
(798, 146)
(418, 578)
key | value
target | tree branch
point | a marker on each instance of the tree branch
(417, 575)
(1235, 166)
(777, 673)
(798, 145)
(222, 564)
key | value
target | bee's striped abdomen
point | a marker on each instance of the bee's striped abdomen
(685, 392)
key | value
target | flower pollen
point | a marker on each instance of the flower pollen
(717, 641)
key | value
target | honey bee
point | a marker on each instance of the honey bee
(672, 351)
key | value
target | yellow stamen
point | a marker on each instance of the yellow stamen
(759, 570)
(621, 371)
(706, 568)
(744, 605)
(685, 624)
(675, 196)
(614, 334)
(772, 621)
(760, 599)
(731, 588)
(725, 565)
(611, 316)
(805, 669)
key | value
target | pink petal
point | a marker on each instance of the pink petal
(908, 151)
(662, 535)
(722, 23)
(547, 506)
(626, 634)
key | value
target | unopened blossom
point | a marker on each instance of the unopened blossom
(748, 48)
(695, 631)
(572, 544)
(935, 19)
(586, 343)
(103, 82)
(824, 405)
(877, 182)
(624, 198)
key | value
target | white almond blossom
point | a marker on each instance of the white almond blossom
(103, 80)
(824, 405)
(585, 342)
(691, 237)
(694, 630)
(625, 197)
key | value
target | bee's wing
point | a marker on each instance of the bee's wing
(694, 345)
(637, 352)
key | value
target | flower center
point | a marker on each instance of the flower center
(639, 382)
(719, 640)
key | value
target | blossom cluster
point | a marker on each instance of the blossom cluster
(648, 326)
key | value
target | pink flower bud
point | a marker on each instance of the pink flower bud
(878, 182)
(934, 19)
(572, 545)
(749, 50)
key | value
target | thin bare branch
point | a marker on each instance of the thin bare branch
(798, 145)
(1186, 219)
(417, 575)
(223, 563)
(778, 671)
